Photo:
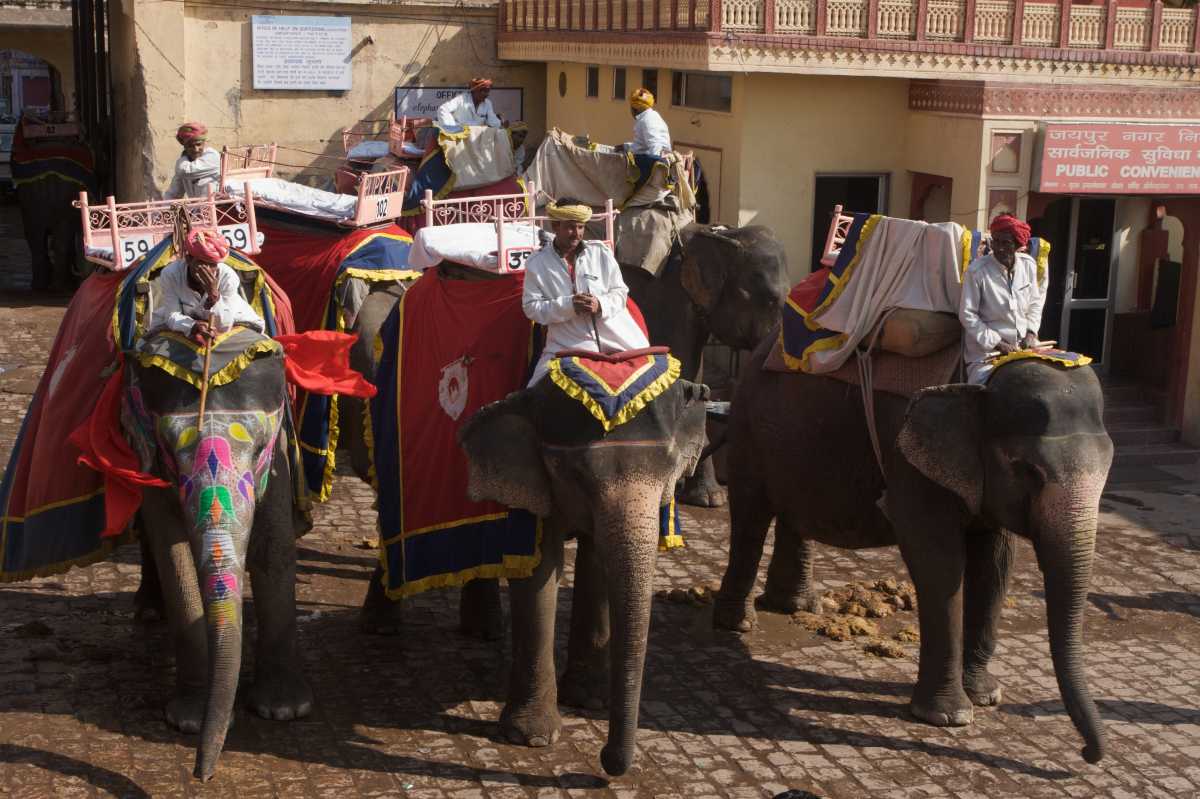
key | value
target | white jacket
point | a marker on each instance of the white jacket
(461, 110)
(177, 307)
(993, 310)
(192, 178)
(651, 136)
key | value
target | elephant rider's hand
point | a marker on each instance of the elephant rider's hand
(205, 276)
(1004, 348)
(202, 332)
(1029, 341)
(585, 304)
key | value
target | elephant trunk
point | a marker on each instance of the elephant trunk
(628, 538)
(1066, 523)
(222, 578)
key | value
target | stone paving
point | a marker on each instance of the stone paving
(82, 686)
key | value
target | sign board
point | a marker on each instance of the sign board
(423, 101)
(1118, 159)
(301, 53)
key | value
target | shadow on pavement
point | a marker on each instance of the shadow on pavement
(1161, 601)
(1136, 711)
(107, 781)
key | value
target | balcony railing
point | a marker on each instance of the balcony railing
(1011, 23)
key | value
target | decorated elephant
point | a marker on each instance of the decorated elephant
(228, 509)
(542, 450)
(965, 469)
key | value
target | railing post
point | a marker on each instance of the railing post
(873, 18)
(1110, 25)
(823, 16)
(1018, 31)
(769, 15)
(714, 15)
(923, 19)
(1196, 30)
(691, 15)
(1156, 25)
(969, 22)
(503, 15)
(1064, 23)
(674, 14)
(641, 5)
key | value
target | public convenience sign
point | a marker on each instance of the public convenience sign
(304, 53)
(1120, 159)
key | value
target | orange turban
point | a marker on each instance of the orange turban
(206, 245)
(190, 132)
(1010, 224)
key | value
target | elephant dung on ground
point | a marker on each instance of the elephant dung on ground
(229, 509)
(543, 451)
(967, 468)
(729, 283)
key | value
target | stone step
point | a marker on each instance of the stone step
(1131, 394)
(1141, 433)
(1123, 414)
(1156, 455)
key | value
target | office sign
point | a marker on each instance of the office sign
(423, 101)
(1119, 159)
(301, 53)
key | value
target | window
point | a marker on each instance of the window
(618, 83)
(650, 80)
(593, 81)
(702, 90)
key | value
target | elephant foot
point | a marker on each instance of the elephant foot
(584, 687)
(185, 712)
(280, 694)
(788, 602)
(534, 726)
(379, 614)
(701, 493)
(944, 711)
(480, 612)
(983, 689)
(733, 614)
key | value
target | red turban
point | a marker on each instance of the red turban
(206, 245)
(481, 83)
(1010, 224)
(190, 132)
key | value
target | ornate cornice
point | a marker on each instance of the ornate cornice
(1053, 101)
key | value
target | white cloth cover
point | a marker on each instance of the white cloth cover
(469, 243)
(478, 156)
(902, 264)
(298, 198)
(368, 149)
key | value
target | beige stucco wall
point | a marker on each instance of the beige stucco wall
(52, 45)
(193, 61)
(951, 147)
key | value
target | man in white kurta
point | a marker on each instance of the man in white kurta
(198, 166)
(574, 288)
(197, 295)
(651, 136)
(1002, 300)
(472, 107)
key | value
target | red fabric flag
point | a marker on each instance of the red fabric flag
(319, 362)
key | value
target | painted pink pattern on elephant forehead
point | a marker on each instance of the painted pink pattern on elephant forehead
(211, 453)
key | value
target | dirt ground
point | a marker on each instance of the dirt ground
(82, 685)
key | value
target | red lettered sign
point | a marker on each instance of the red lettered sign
(1120, 159)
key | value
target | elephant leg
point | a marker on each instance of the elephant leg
(585, 681)
(790, 573)
(279, 690)
(185, 611)
(531, 715)
(148, 601)
(480, 612)
(702, 490)
(750, 517)
(380, 615)
(989, 560)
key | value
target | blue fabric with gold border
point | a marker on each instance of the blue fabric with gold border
(614, 392)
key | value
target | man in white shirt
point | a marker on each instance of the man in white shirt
(198, 295)
(574, 288)
(198, 167)
(472, 107)
(1002, 299)
(650, 133)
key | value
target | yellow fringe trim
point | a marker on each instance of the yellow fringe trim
(107, 545)
(1022, 355)
(230, 372)
(965, 241)
(514, 567)
(1043, 259)
(632, 408)
(672, 540)
(804, 362)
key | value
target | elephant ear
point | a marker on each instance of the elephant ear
(942, 438)
(707, 259)
(688, 433)
(504, 459)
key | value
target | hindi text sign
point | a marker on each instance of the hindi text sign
(1119, 159)
(301, 53)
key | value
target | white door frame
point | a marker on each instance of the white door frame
(1106, 303)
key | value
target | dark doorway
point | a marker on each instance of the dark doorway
(1054, 226)
(855, 193)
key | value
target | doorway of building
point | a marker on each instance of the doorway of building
(856, 193)
(1083, 262)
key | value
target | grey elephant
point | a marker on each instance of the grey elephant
(966, 468)
(229, 510)
(729, 283)
(51, 227)
(543, 451)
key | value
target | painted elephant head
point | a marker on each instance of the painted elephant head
(737, 277)
(1029, 453)
(220, 473)
(543, 451)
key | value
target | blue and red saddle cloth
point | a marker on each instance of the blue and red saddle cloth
(34, 160)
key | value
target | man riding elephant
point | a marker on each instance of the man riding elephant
(198, 166)
(199, 296)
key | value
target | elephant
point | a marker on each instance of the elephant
(729, 283)
(229, 509)
(51, 229)
(542, 451)
(966, 468)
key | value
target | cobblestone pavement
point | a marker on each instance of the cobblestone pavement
(82, 686)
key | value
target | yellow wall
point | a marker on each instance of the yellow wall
(52, 45)
(1131, 216)
(193, 61)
